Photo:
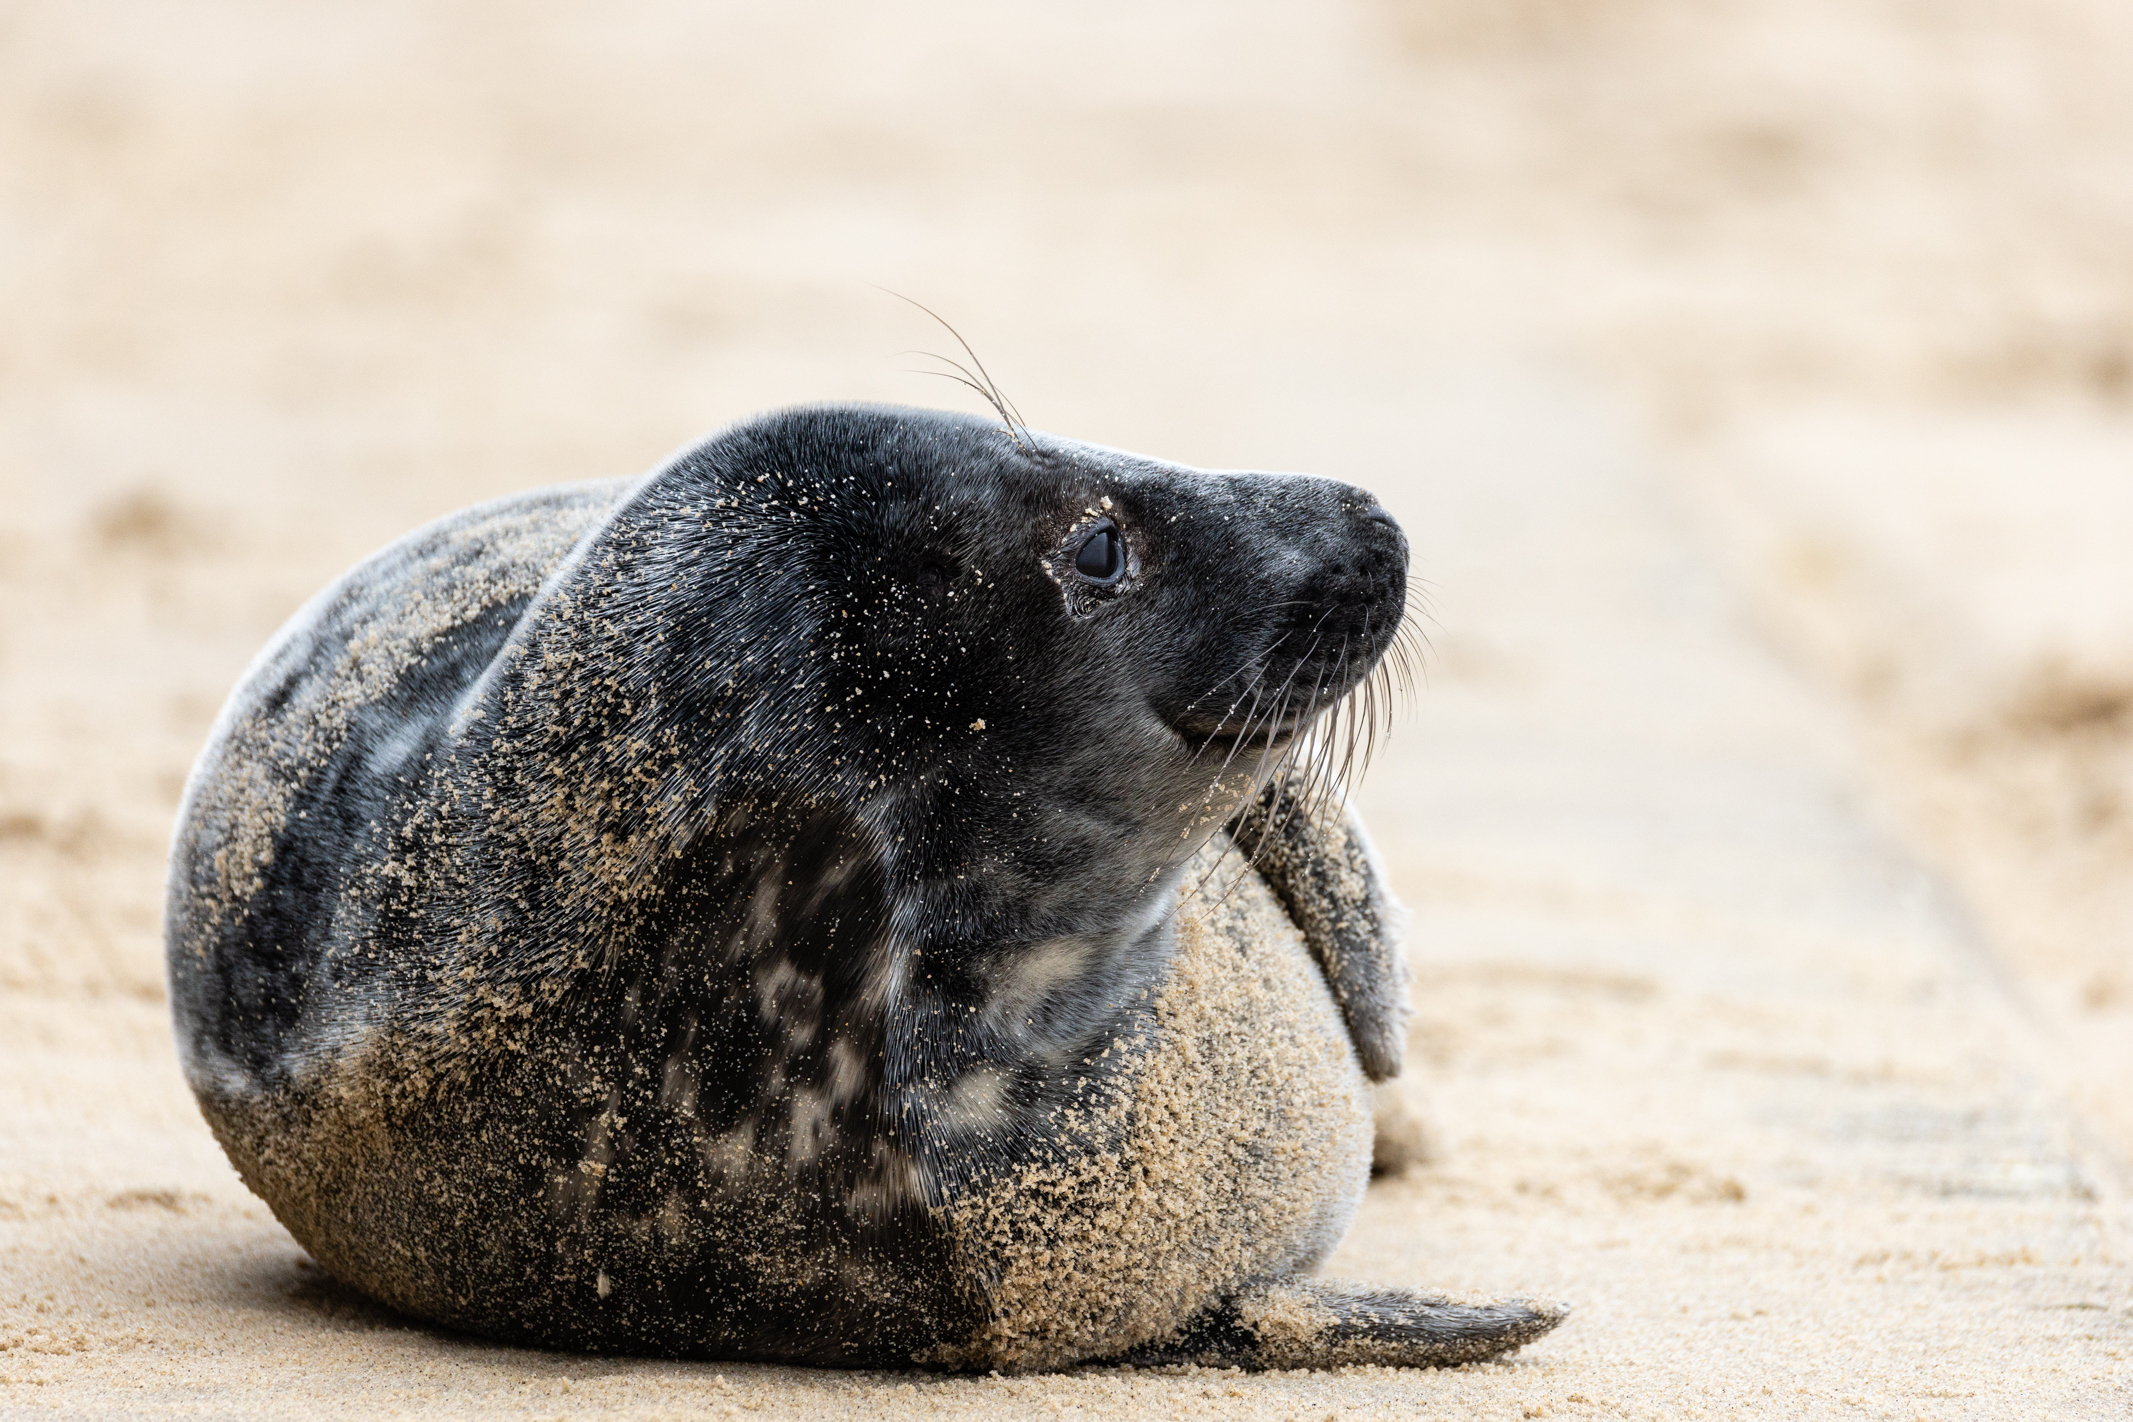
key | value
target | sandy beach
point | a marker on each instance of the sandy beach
(1755, 382)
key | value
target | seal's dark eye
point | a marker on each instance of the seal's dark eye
(1103, 558)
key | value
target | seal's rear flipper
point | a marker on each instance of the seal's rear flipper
(1328, 1323)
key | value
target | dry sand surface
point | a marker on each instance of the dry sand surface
(1756, 379)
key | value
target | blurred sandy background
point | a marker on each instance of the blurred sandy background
(1846, 286)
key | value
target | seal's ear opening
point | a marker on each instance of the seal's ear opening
(936, 573)
(1102, 558)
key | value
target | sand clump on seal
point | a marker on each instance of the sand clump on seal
(847, 897)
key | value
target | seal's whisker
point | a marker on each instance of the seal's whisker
(1398, 667)
(1017, 427)
(1245, 736)
(1258, 780)
(1376, 716)
(1244, 675)
(1250, 685)
(965, 378)
(1275, 710)
(1262, 777)
(1315, 785)
(1411, 637)
(958, 375)
(1363, 721)
(1247, 733)
(1326, 780)
(1280, 709)
(1278, 815)
(1298, 792)
(1362, 734)
(1332, 740)
(1302, 766)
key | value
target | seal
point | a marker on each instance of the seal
(852, 896)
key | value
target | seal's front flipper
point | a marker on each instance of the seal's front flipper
(1327, 1323)
(1320, 865)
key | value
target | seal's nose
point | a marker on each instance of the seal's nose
(1347, 583)
(1382, 536)
(1371, 561)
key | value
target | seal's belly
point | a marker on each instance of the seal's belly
(1244, 1150)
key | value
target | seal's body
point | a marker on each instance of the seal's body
(790, 907)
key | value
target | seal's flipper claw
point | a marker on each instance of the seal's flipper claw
(1327, 1323)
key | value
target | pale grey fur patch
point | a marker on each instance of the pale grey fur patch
(1022, 982)
(848, 1075)
(730, 1155)
(811, 1126)
(894, 1181)
(790, 998)
(977, 1102)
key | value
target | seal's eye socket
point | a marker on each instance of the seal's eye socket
(1102, 558)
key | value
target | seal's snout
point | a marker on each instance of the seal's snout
(1312, 576)
(1349, 591)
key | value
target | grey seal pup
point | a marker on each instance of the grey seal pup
(824, 901)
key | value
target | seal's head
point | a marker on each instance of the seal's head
(1040, 672)
(936, 614)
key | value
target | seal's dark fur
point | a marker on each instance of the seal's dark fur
(637, 916)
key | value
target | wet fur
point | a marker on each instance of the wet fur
(737, 912)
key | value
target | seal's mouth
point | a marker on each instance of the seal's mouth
(1205, 735)
(1319, 719)
(1276, 706)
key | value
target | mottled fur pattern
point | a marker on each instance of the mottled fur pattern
(763, 910)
